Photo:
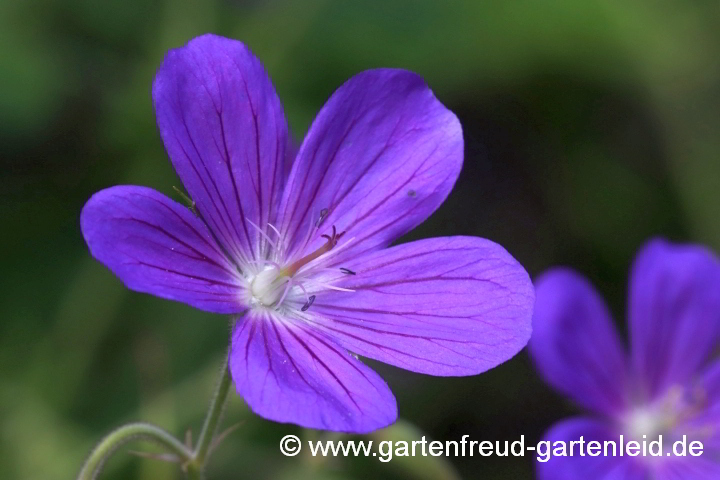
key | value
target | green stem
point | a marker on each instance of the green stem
(199, 456)
(125, 434)
(193, 461)
(194, 472)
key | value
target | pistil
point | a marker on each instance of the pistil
(332, 240)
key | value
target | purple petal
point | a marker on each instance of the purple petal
(710, 389)
(442, 306)
(704, 467)
(705, 426)
(587, 467)
(381, 156)
(157, 246)
(674, 313)
(289, 372)
(574, 344)
(225, 132)
(711, 384)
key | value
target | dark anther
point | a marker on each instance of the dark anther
(307, 305)
(347, 270)
(323, 214)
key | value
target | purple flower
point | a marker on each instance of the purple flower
(295, 245)
(667, 386)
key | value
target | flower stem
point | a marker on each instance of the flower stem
(212, 419)
(192, 461)
(125, 434)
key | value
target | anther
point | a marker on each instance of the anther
(323, 214)
(307, 305)
(347, 271)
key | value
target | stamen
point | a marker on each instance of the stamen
(347, 271)
(323, 214)
(188, 200)
(272, 227)
(307, 305)
(326, 285)
(265, 262)
(288, 287)
(312, 226)
(274, 245)
(307, 298)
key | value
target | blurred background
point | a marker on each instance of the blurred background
(589, 127)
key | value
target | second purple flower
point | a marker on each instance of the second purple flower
(295, 245)
(664, 389)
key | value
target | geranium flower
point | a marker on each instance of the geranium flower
(295, 245)
(669, 384)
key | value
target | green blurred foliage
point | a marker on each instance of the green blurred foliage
(589, 126)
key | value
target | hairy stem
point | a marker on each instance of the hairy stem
(192, 461)
(125, 434)
(210, 426)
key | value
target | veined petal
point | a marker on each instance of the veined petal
(157, 246)
(575, 466)
(289, 372)
(575, 345)
(381, 156)
(442, 306)
(225, 132)
(674, 313)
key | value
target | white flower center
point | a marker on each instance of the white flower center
(644, 421)
(268, 286)
(669, 417)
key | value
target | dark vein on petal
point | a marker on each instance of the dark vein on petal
(213, 246)
(201, 256)
(270, 369)
(383, 347)
(251, 334)
(289, 357)
(200, 159)
(176, 272)
(319, 360)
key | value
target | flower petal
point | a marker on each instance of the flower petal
(442, 306)
(288, 372)
(157, 246)
(674, 313)
(705, 425)
(381, 156)
(225, 132)
(575, 346)
(704, 467)
(587, 467)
